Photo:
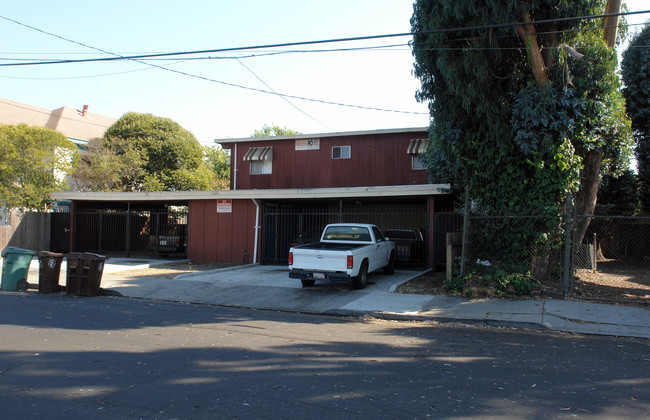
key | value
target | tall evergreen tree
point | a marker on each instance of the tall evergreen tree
(525, 107)
(635, 69)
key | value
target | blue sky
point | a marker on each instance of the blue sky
(369, 78)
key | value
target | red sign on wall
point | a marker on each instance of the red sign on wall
(224, 206)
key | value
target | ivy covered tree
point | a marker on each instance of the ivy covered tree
(635, 69)
(526, 107)
(34, 161)
(142, 152)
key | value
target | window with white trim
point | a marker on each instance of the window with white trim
(261, 167)
(341, 152)
(416, 148)
(260, 159)
(416, 163)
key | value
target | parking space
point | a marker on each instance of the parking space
(278, 276)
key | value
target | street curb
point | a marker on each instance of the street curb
(443, 320)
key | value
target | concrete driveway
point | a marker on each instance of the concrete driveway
(254, 286)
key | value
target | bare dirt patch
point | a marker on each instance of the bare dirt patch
(612, 283)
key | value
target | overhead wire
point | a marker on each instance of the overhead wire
(215, 80)
(289, 44)
(143, 58)
(285, 99)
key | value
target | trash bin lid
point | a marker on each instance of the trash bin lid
(48, 254)
(93, 257)
(15, 250)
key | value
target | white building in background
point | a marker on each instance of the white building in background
(78, 125)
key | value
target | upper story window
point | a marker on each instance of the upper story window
(261, 167)
(341, 152)
(415, 149)
(416, 163)
(260, 159)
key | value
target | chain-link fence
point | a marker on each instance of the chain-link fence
(613, 258)
(520, 253)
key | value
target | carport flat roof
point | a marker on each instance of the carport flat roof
(294, 193)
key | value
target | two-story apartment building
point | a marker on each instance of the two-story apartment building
(311, 180)
(284, 189)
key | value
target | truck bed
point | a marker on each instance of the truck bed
(328, 246)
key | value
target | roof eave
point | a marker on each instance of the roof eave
(322, 135)
(278, 194)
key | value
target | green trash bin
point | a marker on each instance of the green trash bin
(15, 268)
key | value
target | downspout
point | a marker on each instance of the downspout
(257, 229)
(234, 172)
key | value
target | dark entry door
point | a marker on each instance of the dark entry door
(60, 232)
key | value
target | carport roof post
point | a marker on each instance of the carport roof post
(270, 194)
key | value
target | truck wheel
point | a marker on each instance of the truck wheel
(390, 267)
(360, 281)
(308, 283)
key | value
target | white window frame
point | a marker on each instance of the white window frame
(417, 164)
(345, 152)
(261, 167)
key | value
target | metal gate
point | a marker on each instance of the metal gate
(284, 227)
(60, 232)
(143, 233)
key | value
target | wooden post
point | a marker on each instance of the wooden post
(463, 252)
(567, 246)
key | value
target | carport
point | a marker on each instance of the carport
(244, 226)
(130, 229)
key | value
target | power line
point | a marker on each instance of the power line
(389, 47)
(292, 44)
(285, 99)
(272, 92)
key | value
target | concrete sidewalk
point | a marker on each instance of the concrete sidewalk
(269, 287)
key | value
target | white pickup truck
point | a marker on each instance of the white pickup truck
(346, 251)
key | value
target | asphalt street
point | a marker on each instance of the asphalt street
(65, 357)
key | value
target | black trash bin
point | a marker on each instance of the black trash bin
(49, 271)
(73, 273)
(92, 267)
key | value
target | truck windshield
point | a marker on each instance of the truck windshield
(347, 233)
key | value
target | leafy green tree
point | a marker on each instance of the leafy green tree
(218, 161)
(635, 69)
(521, 125)
(142, 152)
(34, 161)
(273, 130)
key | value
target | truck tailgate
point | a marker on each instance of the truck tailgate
(320, 259)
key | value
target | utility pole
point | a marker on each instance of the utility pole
(610, 29)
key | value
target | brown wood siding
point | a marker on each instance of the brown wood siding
(376, 160)
(221, 237)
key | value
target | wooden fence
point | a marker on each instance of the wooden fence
(29, 230)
